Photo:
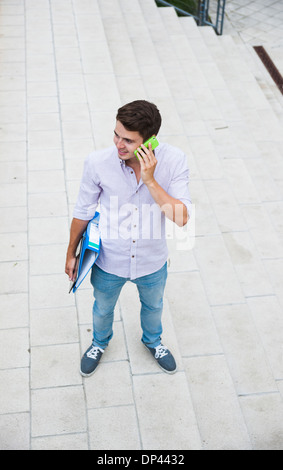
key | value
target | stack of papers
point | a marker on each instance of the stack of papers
(89, 250)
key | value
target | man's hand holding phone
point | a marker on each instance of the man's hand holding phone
(147, 159)
(148, 163)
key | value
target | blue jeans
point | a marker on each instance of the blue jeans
(106, 290)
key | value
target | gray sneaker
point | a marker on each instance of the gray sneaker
(90, 360)
(164, 358)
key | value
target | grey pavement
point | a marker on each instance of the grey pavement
(256, 21)
(66, 66)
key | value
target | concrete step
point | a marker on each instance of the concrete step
(247, 54)
(261, 74)
(99, 75)
(262, 123)
(252, 102)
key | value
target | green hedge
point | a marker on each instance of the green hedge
(191, 6)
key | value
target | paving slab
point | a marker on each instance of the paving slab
(218, 413)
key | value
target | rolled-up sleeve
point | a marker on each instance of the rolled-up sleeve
(89, 193)
(179, 185)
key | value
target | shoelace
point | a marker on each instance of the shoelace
(93, 353)
(160, 351)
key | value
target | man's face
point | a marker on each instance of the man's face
(126, 141)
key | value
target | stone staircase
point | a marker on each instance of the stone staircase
(223, 308)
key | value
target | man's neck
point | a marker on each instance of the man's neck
(135, 165)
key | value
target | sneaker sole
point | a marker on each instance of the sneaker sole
(171, 372)
(90, 374)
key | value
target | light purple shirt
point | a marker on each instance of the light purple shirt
(132, 226)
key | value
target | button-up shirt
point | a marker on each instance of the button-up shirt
(132, 225)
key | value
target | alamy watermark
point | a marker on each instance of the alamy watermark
(148, 221)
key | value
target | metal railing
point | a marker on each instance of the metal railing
(203, 16)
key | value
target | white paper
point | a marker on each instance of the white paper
(89, 259)
(94, 235)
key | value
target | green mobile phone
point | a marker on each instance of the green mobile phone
(153, 141)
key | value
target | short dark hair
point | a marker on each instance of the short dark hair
(140, 116)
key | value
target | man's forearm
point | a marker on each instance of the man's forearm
(77, 229)
(174, 209)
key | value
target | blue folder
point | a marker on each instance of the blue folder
(89, 250)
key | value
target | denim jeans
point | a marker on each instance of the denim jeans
(106, 290)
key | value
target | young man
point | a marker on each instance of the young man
(135, 195)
